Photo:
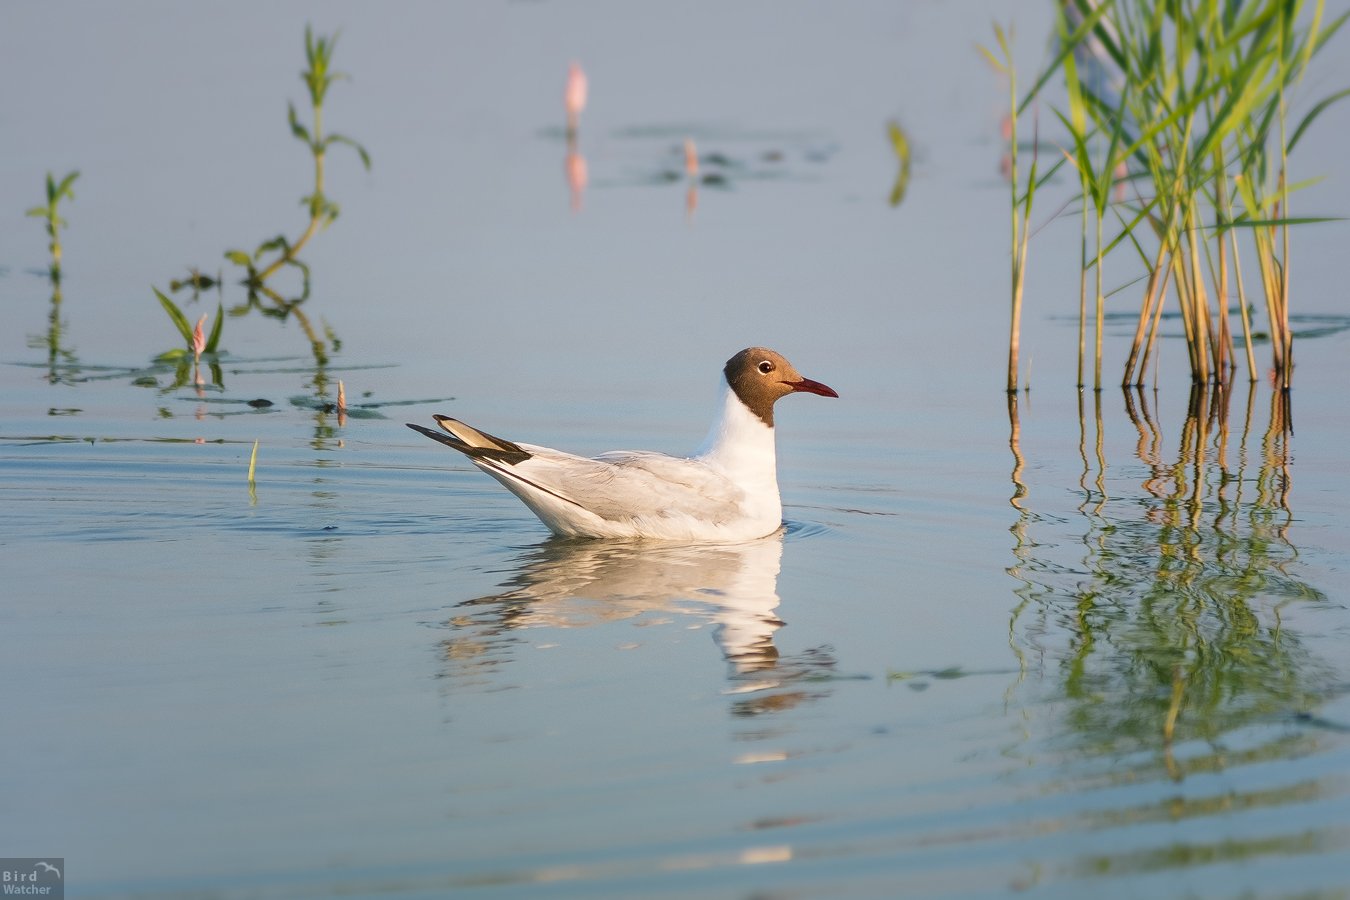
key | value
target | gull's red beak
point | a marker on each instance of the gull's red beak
(812, 387)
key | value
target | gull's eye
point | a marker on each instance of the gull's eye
(766, 367)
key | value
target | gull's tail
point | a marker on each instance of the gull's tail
(472, 442)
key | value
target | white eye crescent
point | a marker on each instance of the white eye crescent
(766, 367)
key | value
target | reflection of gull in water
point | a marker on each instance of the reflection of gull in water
(575, 584)
(563, 584)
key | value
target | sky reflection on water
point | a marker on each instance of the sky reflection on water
(377, 674)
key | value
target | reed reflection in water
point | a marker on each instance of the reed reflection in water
(566, 584)
(63, 366)
(61, 361)
(1154, 619)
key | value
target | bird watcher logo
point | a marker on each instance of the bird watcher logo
(33, 877)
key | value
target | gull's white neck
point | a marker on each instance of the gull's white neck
(741, 445)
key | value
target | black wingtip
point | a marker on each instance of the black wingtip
(440, 437)
(508, 456)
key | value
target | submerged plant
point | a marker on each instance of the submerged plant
(50, 213)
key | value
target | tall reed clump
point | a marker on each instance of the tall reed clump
(1185, 104)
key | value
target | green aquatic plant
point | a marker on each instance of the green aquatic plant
(252, 470)
(196, 341)
(1021, 202)
(276, 253)
(1186, 101)
(51, 215)
(903, 154)
(61, 362)
(197, 281)
(186, 360)
(272, 255)
(1095, 178)
(1100, 155)
(318, 78)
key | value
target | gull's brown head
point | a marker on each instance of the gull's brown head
(760, 376)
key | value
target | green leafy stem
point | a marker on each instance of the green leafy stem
(56, 192)
(318, 77)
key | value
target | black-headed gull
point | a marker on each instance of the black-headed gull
(726, 491)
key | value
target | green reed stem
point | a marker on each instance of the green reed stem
(1020, 206)
(50, 213)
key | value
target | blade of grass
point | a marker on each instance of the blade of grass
(176, 315)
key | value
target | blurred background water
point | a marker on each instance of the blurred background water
(1095, 645)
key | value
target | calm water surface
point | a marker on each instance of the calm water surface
(1076, 646)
